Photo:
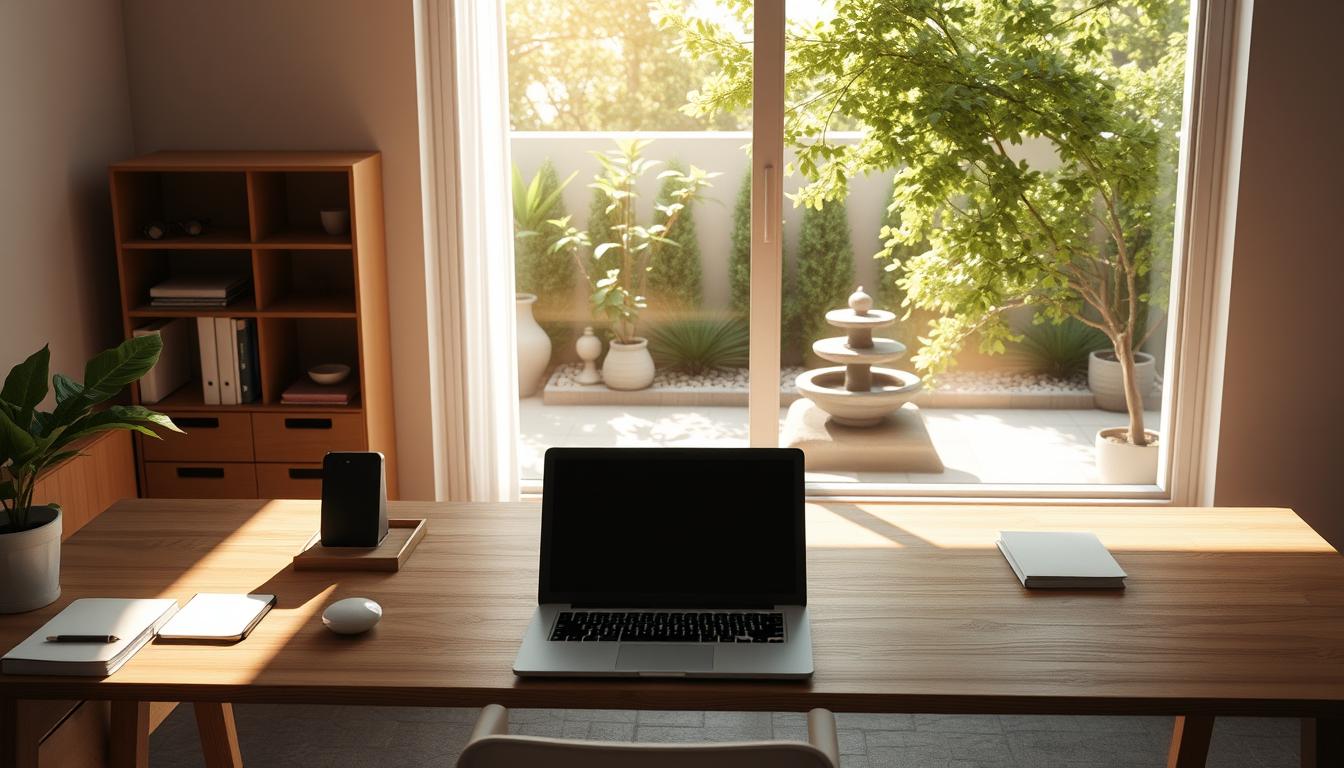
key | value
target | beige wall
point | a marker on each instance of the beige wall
(1282, 407)
(65, 117)
(302, 74)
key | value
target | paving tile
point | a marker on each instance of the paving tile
(977, 746)
(891, 757)
(670, 734)
(1012, 723)
(959, 723)
(575, 729)
(605, 731)
(789, 719)
(553, 727)
(671, 717)
(1288, 727)
(1106, 724)
(601, 715)
(747, 725)
(876, 722)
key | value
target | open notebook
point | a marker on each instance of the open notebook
(133, 621)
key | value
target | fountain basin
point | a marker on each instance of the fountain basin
(889, 391)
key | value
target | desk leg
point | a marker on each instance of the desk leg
(1190, 741)
(219, 735)
(129, 746)
(18, 745)
(1322, 742)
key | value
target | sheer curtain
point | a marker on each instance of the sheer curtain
(469, 236)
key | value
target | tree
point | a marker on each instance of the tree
(949, 93)
(599, 65)
(675, 279)
(825, 270)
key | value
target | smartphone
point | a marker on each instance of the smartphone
(354, 499)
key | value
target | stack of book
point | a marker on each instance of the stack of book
(306, 392)
(196, 292)
(230, 361)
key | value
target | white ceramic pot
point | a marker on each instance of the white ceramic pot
(534, 346)
(30, 563)
(628, 366)
(1106, 380)
(1120, 462)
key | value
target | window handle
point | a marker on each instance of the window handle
(767, 174)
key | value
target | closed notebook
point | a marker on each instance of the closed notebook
(132, 621)
(1060, 560)
(212, 617)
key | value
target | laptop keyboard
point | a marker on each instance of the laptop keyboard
(669, 627)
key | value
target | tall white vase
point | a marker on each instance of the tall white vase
(534, 346)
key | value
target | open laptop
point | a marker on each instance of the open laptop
(671, 562)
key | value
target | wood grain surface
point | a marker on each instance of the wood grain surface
(1228, 611)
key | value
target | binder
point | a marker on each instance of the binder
(205, 333)
(226, 355)
(249, 363)
(174, 366)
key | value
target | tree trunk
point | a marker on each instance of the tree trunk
(1124, 352)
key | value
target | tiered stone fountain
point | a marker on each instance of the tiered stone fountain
(857, 416)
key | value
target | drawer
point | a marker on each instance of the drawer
(289, 481)
(170, 480)
(209, 437)
(306, 437)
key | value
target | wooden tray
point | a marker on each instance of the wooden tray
(390, 555)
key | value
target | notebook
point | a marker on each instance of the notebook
(217, 617)
(1060, 560)
(132, 621)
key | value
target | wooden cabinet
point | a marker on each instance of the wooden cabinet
(314, 297)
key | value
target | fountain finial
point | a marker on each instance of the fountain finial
(860, 302)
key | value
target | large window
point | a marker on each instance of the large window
(1001, 179)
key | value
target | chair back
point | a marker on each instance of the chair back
(514, 751)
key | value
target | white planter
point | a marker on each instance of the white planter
(1106, 380)
(1123, 463)
(628, 366)
(534, 346)
(30, 564)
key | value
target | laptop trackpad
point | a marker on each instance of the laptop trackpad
(665, 658)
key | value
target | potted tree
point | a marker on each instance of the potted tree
(34, 441)
(1039, 164)
(618, 293)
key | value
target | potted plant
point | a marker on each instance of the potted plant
(538, 270)
(1039, 166)
(34, 441)
(618, 293)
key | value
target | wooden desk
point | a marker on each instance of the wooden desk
(1228, 612)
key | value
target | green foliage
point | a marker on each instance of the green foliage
(539, 269)
(618, 292)
(825, 271)
(33, 441)
(600, 66)
(697, 345)
(601, 229)
(675, 278)
(739, 258)
(951, 96)
(1058, 349)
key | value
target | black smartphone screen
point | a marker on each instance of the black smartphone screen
(354, 499)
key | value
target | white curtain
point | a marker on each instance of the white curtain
(469, 227)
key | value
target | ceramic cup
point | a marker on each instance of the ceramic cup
(335, 221)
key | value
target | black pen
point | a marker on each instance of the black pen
(82, 638)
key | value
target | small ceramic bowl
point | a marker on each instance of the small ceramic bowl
(335, 221)
(329, 373)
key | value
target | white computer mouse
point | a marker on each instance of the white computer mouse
(352, 615)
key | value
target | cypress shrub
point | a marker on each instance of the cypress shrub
(675, 280)
(549, 275)
(825, 271)
(739, 277)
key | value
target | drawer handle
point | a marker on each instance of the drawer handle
(307, 423)
(214, 473)
(197, 422)
(305, 473)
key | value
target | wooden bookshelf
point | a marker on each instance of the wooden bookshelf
(315, 297)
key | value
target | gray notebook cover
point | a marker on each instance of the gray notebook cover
(1060, 559)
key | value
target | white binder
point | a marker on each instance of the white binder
(205, 333)
(226, 353)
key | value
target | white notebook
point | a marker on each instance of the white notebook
(1060, 560)
(217, 617)
(132, 621)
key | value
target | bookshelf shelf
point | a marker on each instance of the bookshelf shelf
(314, 298)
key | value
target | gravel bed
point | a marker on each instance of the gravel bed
(958, 382)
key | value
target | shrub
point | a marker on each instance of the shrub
(697, 345)
(675, 277)
(739, 275)
(825, 271)
(600, 223)
(538, 269)
(1058, 349)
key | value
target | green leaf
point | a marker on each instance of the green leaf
(15, 442)
(109, 372)
(7, 489)
(66, 387)
(26, 385)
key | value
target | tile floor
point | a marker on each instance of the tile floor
(403, 737)
(1007, 445)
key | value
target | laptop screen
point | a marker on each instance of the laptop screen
(673, 527)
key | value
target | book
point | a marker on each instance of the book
(1060, 560)
(174, 366)
(205, 333)
(307, 392)
(214, 617)
(132, 621)
(226, 355)
(217, 287)
(249, 362)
